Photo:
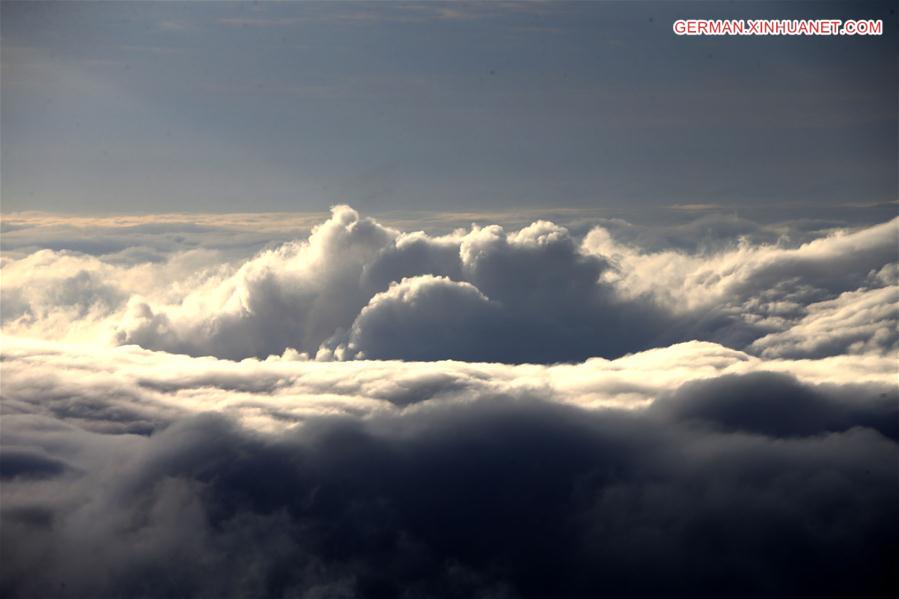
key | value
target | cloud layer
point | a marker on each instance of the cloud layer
(356, 288)
(534, 410)
(690, 469)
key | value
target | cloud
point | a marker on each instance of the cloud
(683, 470)
(696, 207)
(157, 236)
(175, 25)
(424, 318)
(837, 262)
(790, 291)
(28, 463)
(541, 293)
(777, 405)
(303, 294)
(401, 12)
(863, 321)
(308, 293)
(129, 389)
(524, 296)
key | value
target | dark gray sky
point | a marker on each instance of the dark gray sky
(201, 106)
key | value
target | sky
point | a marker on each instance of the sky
(142, 107)
(446, 301)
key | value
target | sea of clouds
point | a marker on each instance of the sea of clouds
(340, 407)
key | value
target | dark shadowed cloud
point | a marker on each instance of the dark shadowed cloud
(723, 488)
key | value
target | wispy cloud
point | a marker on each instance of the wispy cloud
(175, 25)
(389, 12)
(698, 207)
(260, 21)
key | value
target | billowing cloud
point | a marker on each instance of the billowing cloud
(424, 318)
(787, 292)
(681, 470)
(357, 288)
(840, 261)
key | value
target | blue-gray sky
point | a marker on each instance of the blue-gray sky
(202, 106)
